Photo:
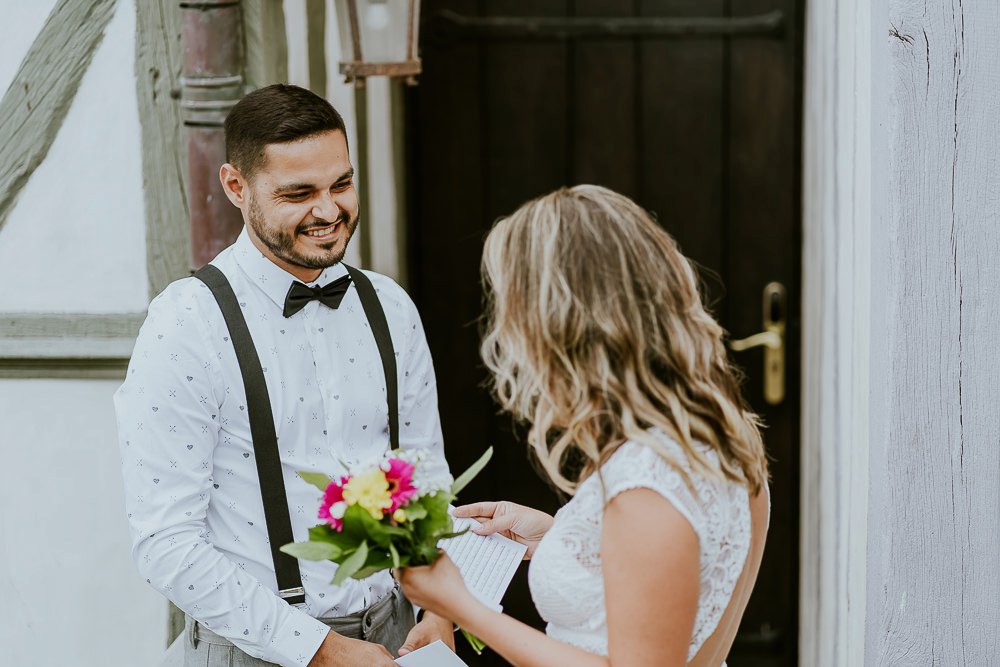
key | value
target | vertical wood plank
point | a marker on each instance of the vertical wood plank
(934, 533)
(316, 41)
(164, 163)
(763, 244)
(844, 101)
(680, 147)
(444, 284)
(602, 109)
(265, 43)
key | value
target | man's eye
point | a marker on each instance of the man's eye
(340, 187)
(298, 196)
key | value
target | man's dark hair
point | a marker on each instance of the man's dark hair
(275, 114)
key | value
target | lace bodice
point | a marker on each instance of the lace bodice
(565, 572)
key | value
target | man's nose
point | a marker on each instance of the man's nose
(326, 207)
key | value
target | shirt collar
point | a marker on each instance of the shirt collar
(268, 276)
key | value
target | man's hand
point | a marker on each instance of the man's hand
(337, 650)
(430, 629)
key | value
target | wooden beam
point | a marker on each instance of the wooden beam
(34, 106)
(316, 45)
(14, 326)
(265, 43)
(164, 162)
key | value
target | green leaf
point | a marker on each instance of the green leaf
(470, 474)
(358, 521)
(351, 565)
(394, 554)
(448, 536)
(425, 553)
(437, 521)
(475, 642)
(313, 550)
(346, 541)
(317, 479)
(415, 511)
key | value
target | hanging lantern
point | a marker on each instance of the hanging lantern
(379, 38)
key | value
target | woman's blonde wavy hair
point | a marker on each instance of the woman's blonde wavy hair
(595, 334)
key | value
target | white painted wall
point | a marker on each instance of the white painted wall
(77, 232)
(74, 243)
(69, 593)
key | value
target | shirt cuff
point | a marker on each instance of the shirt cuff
(297, 640)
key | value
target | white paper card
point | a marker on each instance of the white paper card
(433, 655)
(487, 563)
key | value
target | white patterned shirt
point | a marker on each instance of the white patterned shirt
(191, 488)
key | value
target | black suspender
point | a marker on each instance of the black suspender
(265, 440)
(380, 329)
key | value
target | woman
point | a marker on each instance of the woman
(597, 337)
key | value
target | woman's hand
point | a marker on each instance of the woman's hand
(517, 522)
(438, 588)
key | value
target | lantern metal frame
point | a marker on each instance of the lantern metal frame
(357, 70)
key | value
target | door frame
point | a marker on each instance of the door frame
(844, 109)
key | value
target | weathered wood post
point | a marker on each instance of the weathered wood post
(211, 84)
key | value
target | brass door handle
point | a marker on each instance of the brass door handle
(772, 339)
(769, 339)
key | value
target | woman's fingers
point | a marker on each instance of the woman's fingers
(495, 525)
(476, 510)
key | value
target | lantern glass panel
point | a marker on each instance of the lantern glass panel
(382, 27)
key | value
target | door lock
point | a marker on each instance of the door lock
(772, 339)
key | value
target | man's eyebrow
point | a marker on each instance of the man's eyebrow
(293, 187)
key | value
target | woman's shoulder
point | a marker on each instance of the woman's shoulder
(665, 466)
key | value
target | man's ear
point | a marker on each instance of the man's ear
(234, 185)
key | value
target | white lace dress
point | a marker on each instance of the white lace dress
(565, 573)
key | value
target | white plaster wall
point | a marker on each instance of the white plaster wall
(69, 593)
(77, 231)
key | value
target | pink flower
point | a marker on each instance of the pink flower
(331, 510)
(399, 474)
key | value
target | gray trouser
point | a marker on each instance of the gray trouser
(387, 622)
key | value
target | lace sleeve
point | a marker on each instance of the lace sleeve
(635, 466)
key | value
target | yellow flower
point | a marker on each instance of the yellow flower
(399, 516)
(370, 491)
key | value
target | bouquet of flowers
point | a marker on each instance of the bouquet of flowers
(386, 515)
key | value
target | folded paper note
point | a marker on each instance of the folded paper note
(487, 563)
(432, 655)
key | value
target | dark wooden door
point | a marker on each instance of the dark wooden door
(698, 121)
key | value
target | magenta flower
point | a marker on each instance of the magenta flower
(399, 474)
(331, 510)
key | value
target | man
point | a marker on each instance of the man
(193, 494)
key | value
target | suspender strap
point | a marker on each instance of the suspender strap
(380, 329)
(265, 440)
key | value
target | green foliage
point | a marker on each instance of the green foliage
(470, 474)
(317, 479)
(352, 564)
(313, 550)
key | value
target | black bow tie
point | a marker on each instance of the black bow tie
(330, 295)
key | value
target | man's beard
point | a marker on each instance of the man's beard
(282, 243)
